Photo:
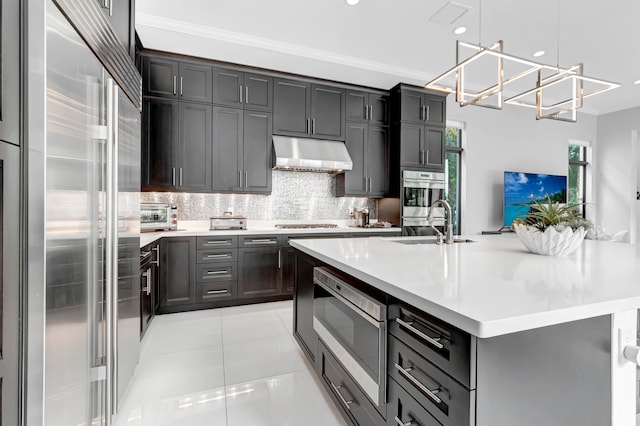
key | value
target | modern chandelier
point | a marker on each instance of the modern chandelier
(556, 93)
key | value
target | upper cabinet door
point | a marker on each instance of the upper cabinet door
(161, 77)
(291, 100)
(159, 150)
(434, 110)
(433, 147)
(228, 172)
(411, 108)
(258, 92)
(194, 173)
(195, 82)
(377, 160)
(257, 152)
(355, 180)
(357, 106)
(227, 87)
(327, 112)
(411, 145)
(378, 109)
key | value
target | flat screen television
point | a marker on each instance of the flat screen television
(523, 188)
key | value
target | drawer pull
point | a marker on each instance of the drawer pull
(401, 423)
(435, 341)
(217, 291)
(406, 373)
(262, 241)
(217, 272)
(216, 256)
(337, 391)
(213, 243)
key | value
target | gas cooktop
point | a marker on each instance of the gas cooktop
(305, 225)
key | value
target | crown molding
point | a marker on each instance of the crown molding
(205, 32)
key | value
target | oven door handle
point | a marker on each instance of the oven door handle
(348, 304)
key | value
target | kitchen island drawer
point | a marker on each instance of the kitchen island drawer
(208, 272)
(351, 401)
(258, 240)
(402, 409)
(217, 255)
(449, 348)
(216, 291)
(446, 399)
(287, 238)
(228, 241)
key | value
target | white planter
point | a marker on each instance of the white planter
(550, 242)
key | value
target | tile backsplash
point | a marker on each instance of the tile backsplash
(294, 196)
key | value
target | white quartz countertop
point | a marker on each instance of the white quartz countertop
(201, 229)
(492, 286)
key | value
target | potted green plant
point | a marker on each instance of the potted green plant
(551, 228)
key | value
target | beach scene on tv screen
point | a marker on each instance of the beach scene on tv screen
(525, 188)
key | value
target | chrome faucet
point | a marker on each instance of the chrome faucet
(448, 237)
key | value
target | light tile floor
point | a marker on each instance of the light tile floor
(237, 366)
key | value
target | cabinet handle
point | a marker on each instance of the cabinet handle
(336, 389)
(174, 84)
(370, 185)
(370, 112)
(313, 126)
(428, 112)
(366, 112)
(110, 7)
(240, 177)
(401, 423)
(180, 176)
(157, 261)
(280, 259)
(246, 179)
(409, 326)
(173, 176)
(216, 256)
(421, 156)
(217, 272)
(427, 157)
(212, 243)
(261, 241)
(241, 93)
(246, 94)
(307, 129)
(217, 291)
(180, 86)
(147, 287)
(406, 373)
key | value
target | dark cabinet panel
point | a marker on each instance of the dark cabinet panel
(413, 104)
(434, 147)
(327, 112)
(257, 152)
(364, 106)
(259, 272)
(354, 181)
(159, 153)
(403, 409)
(227, 149)
(303, 330)
(258, 92)
(435, 110)
(378, 109)
(377, 145)
(411, 145)
(227, 87)
(195, 82)
(239, 89)
(216, 292)
(411, 107)
(291, 100)
(160, 77)
(178, 271)
(194, 171)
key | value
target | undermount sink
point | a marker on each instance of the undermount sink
(430, 241)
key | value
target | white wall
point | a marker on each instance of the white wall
(615, 172)
(509, 139)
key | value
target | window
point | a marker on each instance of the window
(577, 181)
(453, 166)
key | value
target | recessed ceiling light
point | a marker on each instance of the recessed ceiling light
(539, 53)
(352, 2)
(636, 82)
(460, 30)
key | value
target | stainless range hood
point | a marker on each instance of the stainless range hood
(313, 155)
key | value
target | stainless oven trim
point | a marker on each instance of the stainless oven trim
(349, 304)
(368, 385)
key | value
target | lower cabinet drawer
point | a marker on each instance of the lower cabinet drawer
(216, 291)
(345, 393)
(218, 255)
(451, 403)
(402, 409)
(207, 272)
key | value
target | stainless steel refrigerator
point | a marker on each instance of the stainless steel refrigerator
(92, 201)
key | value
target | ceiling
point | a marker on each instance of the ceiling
(379, 43)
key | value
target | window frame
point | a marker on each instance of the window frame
(584, 164)
(459, 150)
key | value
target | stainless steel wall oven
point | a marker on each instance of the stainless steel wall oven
(419, 190)
(352, 325)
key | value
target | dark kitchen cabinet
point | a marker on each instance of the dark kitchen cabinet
(414, 105)
(10, 71)
(303, 330)
(260, 265)
(149, 287)
(121, 17)
(308, 110)
(367, 146)
(176, 146)
(183, 80)
(420, 147)
(242, 89)
(367, 107)
(241, 151)
(178, 271)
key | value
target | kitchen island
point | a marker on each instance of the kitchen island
(545, 333)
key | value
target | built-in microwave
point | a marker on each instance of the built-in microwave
(158, 217)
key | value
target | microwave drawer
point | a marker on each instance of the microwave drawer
(443, 397)
(351, 401)
(444, 345)
(217, 255)
(229, 241)
(207, 272)
(402, 409)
